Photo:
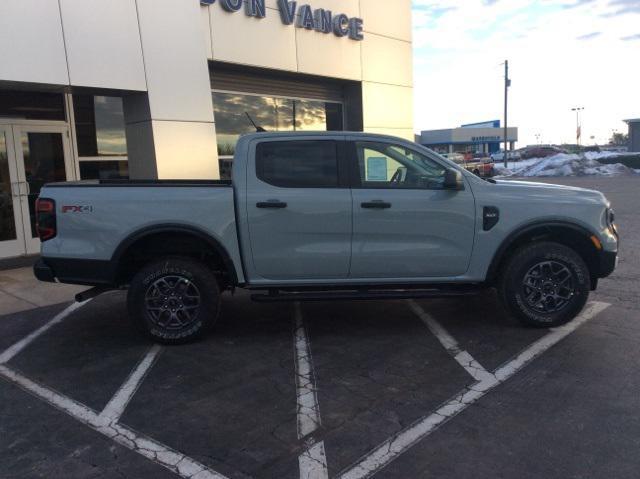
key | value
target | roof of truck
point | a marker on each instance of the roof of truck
(271, 134)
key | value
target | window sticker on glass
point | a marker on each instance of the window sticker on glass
(376, 168)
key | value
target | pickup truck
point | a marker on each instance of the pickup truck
(331, 215)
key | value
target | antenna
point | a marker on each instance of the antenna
(259, 129)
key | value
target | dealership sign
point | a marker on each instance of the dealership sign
(485, 139)
(303, 16)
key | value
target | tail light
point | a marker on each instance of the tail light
(46, 219)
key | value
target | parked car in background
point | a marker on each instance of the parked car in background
(511, 155)
(455, 157)
(540, 151)
(482, 167)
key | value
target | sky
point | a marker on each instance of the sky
(562, 54)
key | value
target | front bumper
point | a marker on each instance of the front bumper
(608, 261)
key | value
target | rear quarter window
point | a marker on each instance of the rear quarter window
(298, 164)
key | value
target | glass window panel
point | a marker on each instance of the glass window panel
(7, 220)
(104, 170)
(310, 115)
(298, 164)
(231, 110)
(43, 163)
(100, 126)
(32, 105)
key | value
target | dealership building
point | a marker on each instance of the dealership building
(162, 89)
(634, 134)
(485, 137)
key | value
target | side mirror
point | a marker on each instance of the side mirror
(453, 180)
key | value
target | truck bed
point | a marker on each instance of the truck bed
(96, 218)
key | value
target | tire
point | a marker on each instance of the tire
(476, 172)
(544, 284)
(174, 300)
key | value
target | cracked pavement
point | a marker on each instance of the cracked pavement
(231, 406)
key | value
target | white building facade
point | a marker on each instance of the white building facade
(161, 89)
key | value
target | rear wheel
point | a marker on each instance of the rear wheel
(545, 284)
(174, 300)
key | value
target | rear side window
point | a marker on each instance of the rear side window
(298, 164)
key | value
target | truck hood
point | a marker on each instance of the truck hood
(540, 190)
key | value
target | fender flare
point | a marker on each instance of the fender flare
(523, 230)
(145, 232)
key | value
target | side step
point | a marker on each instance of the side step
(274, 296)
(92, 293)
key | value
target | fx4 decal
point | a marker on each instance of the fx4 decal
(77, 209)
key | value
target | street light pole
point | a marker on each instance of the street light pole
(507, 84)
(578, 126)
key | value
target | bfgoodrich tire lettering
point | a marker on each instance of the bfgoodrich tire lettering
(544, 284)
(174, 300)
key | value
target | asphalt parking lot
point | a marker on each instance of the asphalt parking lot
(395, 389)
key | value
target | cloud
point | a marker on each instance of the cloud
(578, 3)
(589, 36)
(622, 7)
(458, 54)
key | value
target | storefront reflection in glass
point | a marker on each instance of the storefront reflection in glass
(270, 113)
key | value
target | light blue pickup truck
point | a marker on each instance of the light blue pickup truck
(320, 216)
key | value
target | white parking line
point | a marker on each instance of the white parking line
(11, 352)
(463, 358)
(313, 461)
(116, 406)
(176, 462)
(401, 442)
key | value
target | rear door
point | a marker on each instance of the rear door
(299, 210)
(406, 225)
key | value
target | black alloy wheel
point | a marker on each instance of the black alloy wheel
(174, 300)
(544, 284)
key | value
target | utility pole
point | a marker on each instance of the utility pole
(578, 126)
(507, 84)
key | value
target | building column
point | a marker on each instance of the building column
(170, 128)
(450, 148)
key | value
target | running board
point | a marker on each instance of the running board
(279, 296)
(91, 293)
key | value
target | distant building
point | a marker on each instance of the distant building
(485, 137)
(634, 134)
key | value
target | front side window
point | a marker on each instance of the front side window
(298, 164)
(384, 165)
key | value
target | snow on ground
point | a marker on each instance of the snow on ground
(592, 155)
(562, 165)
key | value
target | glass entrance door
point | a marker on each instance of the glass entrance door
(35, 155)
(11, 229)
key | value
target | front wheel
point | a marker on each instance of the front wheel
(174, 300)
(545, 284)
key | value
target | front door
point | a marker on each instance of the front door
(30, 156)
(406, 225)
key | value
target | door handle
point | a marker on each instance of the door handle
(376, 205)
(273, 204)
